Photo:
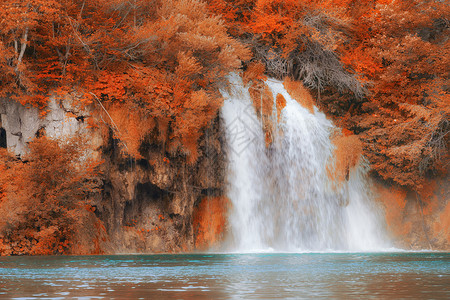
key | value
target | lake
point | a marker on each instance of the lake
(228, 276)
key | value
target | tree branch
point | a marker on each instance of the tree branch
(22, 49)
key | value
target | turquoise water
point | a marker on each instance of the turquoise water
(225, 276)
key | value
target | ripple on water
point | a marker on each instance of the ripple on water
(224, 276)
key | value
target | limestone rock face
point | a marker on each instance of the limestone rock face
(146, 205)
(22, 124)
(150, 202)
(417, 221)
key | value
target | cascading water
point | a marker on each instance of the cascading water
(282, 197)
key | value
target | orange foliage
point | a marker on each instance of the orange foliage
(254, 73)
(298, 92)
(259, 92)
(131, 125)
(283, 24)
(159, 62)
(281, 103)
(236, 13)
(263, 102)
(172, 78)
(43, 197)
(23, 23)
(295, 38)
(209, 222)
(402, 49)
(347, 155)
(262, 97)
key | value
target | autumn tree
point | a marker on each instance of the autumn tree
(401, 50)
(45, 198)
(22, 27)
(172, 65)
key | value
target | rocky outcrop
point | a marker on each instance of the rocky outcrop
(417, 221)
(148, 204)
(145, 205)
(61, 120)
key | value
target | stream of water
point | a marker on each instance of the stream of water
(282, 197)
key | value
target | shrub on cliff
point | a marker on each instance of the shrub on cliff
(402, 49)
(44, 199)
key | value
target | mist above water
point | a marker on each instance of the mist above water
(282, 196)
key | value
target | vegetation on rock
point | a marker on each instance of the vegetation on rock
(45, 199)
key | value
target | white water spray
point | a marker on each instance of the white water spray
(282, 198)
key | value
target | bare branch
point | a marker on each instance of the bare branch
(109, 116)
(22, 49)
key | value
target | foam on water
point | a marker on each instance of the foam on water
(282, 198)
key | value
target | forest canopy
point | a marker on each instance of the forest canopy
(378, 67)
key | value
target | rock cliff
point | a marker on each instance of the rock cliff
(146, 205)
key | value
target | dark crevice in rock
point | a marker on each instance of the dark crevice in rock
(3, 143)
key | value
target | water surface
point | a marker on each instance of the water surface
(228, 276)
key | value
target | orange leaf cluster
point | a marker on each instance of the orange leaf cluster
(262, 97)
(402, 49)
(299, 93)
(347, 156)
(281, 103)
(44, 196)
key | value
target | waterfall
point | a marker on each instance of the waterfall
(282, 198)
